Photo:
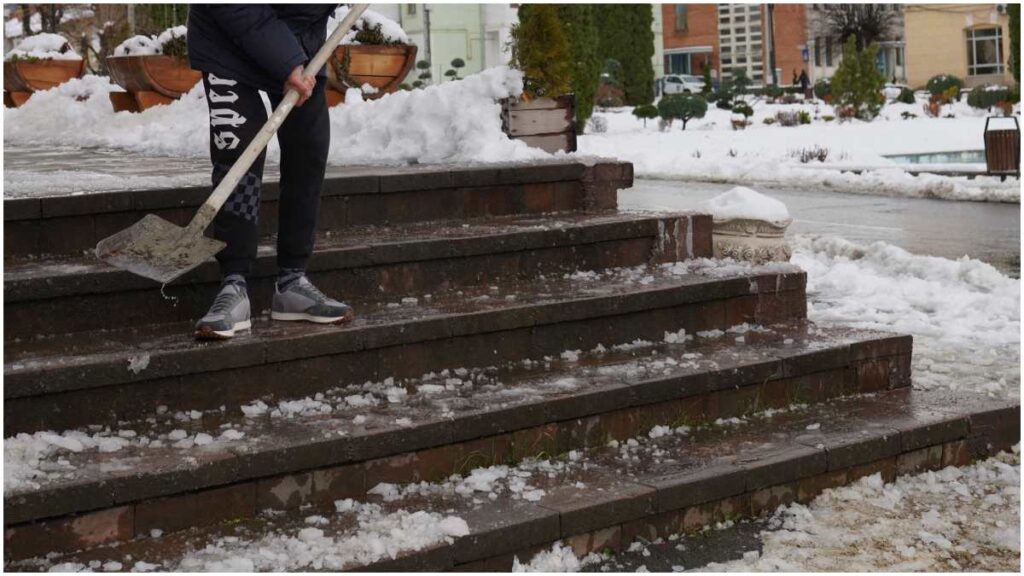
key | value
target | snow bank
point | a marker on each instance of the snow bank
(964, 314)
(391, 30)
(956, 519)
(743, 202)
(454, 122)
(44, 46)
(709, 150)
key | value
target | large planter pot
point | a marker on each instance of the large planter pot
(754, 241)
(383, 67)
(149, 80)
(23, 77)
(545, 123)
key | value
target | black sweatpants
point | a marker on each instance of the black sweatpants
(236, 114)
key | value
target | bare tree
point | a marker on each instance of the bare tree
(866, 22)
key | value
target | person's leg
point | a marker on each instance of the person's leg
(305, 138)
(236, 115)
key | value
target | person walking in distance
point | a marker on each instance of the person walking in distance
(243, 49)
(805, 85)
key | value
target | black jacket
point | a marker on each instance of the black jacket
(256, 44)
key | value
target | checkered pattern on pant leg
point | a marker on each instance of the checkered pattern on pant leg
(245, 198)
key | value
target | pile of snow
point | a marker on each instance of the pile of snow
(964, 314)
(453, 122)
(44, 46)
(391, 30)
(149, 45)
(956, 519)
(744, 203)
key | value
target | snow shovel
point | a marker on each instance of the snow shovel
(162, 250)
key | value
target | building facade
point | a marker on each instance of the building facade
(825, 51)
(967, 40)
(476, 33)
(772, 43)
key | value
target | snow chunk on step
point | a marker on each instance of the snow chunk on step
(741, 202)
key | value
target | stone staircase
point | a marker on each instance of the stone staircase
(528, 365)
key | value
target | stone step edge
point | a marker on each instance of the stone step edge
(688, 502)
(110, 369)
(374, 180)
(745, 388)
(664, 227)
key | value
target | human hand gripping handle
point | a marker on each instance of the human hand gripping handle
(300, 78)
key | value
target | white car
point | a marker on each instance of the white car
(682, 84)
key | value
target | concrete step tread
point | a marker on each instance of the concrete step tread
(274, 436)
(748, 464)
(144, 352)
(353, 246)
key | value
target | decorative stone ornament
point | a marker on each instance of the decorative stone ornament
(749, 226)
(749, 240)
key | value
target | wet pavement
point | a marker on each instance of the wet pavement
(986, 231)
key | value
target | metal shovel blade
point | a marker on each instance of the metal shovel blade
(157, 249)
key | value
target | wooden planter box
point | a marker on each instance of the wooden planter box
(545, 123)
(383, 67)
(23, 77)
(1002, 149)
(149, 80)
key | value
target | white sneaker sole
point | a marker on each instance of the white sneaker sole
(222, 334)
(303, 317)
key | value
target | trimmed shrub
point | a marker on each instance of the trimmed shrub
(804, 116)
(743, 108)
(540, 50)
(942, 85)
(684, 107)
(987, 96)
(828, 118)
(906, 96)
(768, 121)
(646, 112)
(822, 88)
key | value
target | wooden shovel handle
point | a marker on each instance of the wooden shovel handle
(220, 195)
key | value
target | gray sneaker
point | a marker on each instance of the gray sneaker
(302, 301)
(229, 314)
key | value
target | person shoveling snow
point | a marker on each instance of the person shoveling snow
(243, 49)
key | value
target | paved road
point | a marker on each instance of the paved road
(986, 231)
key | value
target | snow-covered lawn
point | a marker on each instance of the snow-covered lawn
(709, 149)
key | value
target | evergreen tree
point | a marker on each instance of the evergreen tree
(580, 27)
(683, 107)
(540, 51)
(857, 83)
(625, 35)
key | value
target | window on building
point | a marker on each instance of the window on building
(984, 51)
(681, 18)
(899, 56)
(828, 51)
(410, 9)
(817, 51)
(678, 64)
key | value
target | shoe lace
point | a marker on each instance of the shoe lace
(313, 291)
(223, 302)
